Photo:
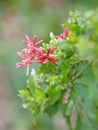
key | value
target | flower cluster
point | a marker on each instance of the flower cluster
(32, 53)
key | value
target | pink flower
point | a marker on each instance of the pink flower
(32, 44)
(44, 57)
(64, 35)
(33, 54)
(27, 60)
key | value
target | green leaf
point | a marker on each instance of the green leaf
(87, 76)
(84, 82)
(79, 124)
(40, 96)
(63, 108)
(52, 109)
(54, 94)
(80, 92)
(44, 105)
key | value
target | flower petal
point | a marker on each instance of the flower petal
(21, 55)
(19, 64)
(34, 40)
(27, 37)
(39, 42)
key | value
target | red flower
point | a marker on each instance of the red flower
(33, 54)
(27, 60)
(32, 44)
(64, 35)
(44, 57)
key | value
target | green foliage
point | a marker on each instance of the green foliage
(71, 85)
(76, 23)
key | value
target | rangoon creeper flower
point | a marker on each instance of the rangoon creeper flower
(27, 60)
(34, 54)
(32, 44)
(64, 35)
(44, 57)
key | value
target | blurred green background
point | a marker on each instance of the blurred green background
(17, 18)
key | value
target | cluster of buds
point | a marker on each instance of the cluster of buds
(34, 54)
